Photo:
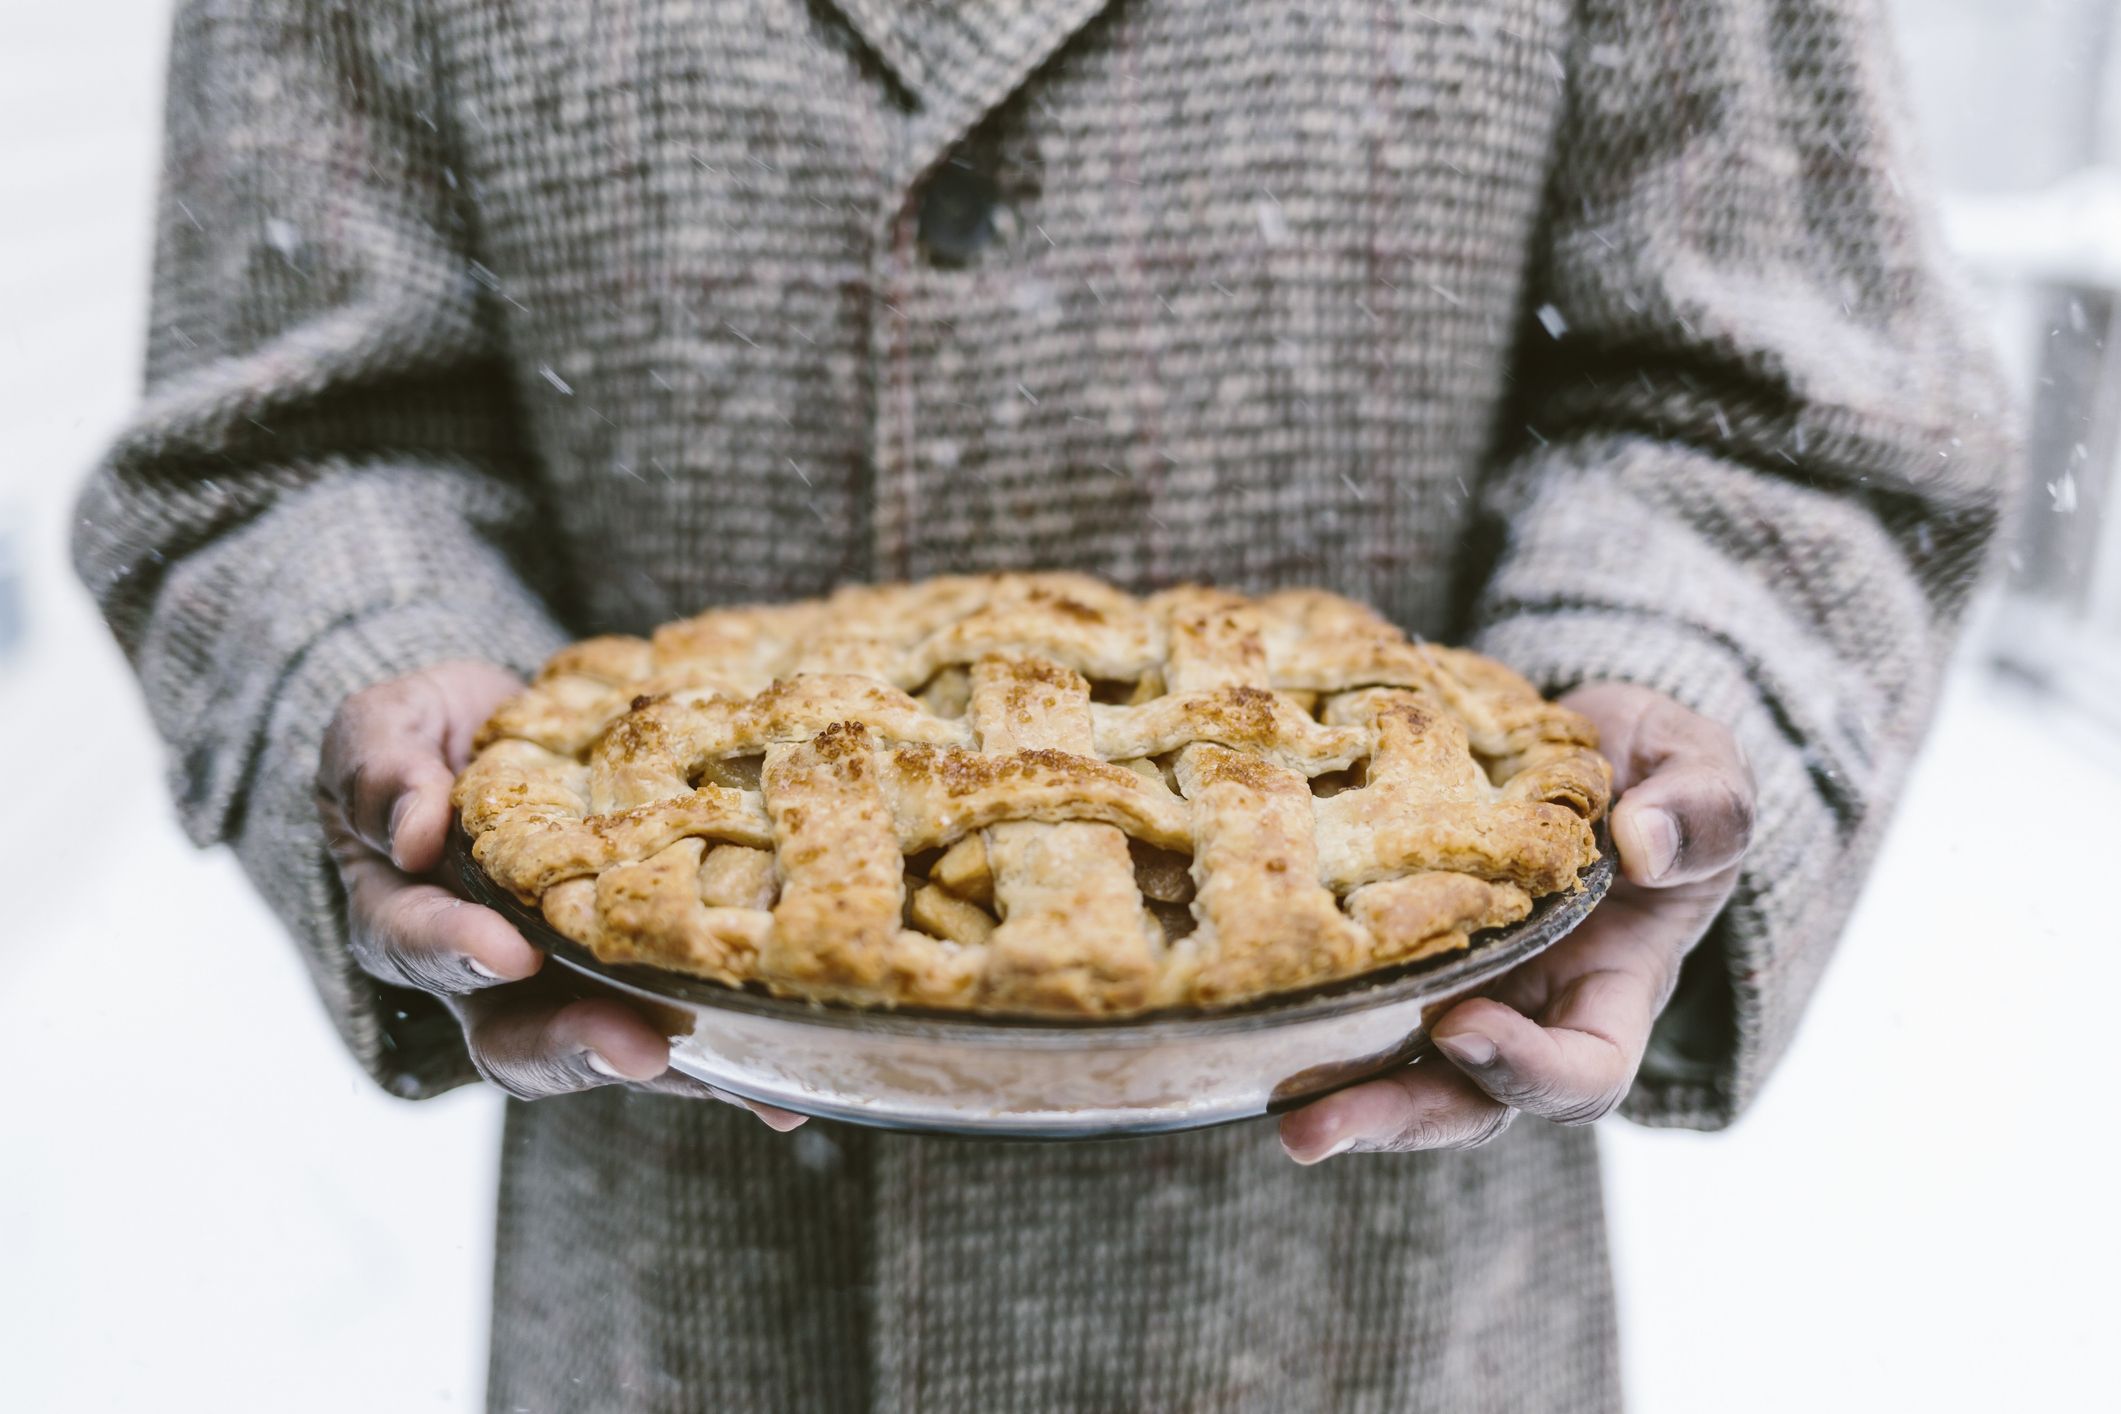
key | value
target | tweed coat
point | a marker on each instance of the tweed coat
(1601, 334)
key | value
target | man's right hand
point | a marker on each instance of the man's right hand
(390, 757)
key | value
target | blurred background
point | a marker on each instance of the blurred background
(207, 1207)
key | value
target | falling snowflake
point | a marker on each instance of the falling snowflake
(2064, 493)
(283, 236)
(1273, 226)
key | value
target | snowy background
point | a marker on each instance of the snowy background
(204, 1206)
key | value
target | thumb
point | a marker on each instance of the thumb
(1685, 811)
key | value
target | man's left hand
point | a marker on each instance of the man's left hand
(1562, 1036)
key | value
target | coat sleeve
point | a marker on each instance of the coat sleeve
(1754, 462)
(321, 489)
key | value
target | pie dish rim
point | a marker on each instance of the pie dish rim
(1489, 953)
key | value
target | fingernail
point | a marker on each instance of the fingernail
(397, 819)
(603, 1067)
(482, 969)
(1657, 839)
(1339, 1146)
(779, 1120)
(1470, 1048)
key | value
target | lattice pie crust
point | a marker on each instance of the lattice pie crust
(1031, 794)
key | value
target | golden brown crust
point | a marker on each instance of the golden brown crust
(1031, 794)
(1073, 935)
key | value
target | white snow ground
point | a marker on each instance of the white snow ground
(203, 1206)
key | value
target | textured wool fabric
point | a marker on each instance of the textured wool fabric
(1602, 335)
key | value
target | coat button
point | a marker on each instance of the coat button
(957, 213)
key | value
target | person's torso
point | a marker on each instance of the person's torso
(1160, 289)
(796, 291)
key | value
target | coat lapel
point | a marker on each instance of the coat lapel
(960, 58)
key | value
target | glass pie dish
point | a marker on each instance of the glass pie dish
(1047, 1078)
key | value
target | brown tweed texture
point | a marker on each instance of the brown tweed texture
(1601, 335)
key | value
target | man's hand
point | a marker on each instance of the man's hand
(389, 760)
(1562, 1036)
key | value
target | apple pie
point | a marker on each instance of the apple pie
(1031, 794)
